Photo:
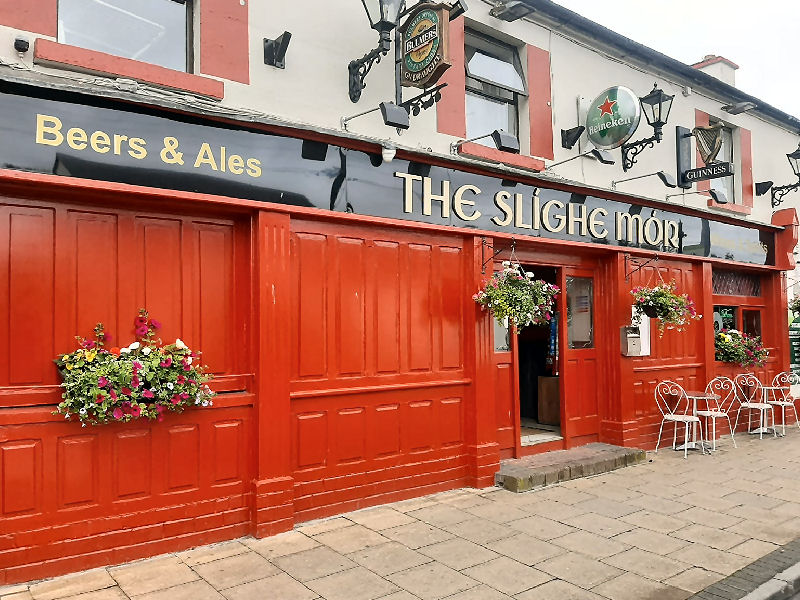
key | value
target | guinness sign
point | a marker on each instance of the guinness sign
(711, 171)
(424, 42)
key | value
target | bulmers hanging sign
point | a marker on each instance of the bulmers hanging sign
(424, 42)
(613, 118)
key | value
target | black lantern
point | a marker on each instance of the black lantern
(794, 161)
(656, 106)
(382, 13)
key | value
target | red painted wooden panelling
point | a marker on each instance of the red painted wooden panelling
(215, 264)
(385, 272)
(133, 445)
(21, 464)
(351, 434)
(77, 470)
(350, 307)
(224, 39)
(159, 244)
(309, 297)
(384, 433)
(183, 458)
(420, 319)
(37, 16)
(452, 286)
(228, 442)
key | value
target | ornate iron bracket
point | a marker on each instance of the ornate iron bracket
(495, 253)
(424, 100)
(358, 70)
(779, 192)
(639, 263)
(630, 151)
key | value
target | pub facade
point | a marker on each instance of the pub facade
(219, 174)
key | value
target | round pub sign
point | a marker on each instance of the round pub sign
(424, 38)
(613, 118)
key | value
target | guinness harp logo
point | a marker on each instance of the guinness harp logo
(709, 142)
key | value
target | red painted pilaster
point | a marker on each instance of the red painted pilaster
(539, 103)
(225, 40)
(37, 16)
(451, 110)
(705, 306)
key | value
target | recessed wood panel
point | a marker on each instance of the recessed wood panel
(350, 325)
(384, 432)
(132, 464)
(586, 386)
(228, 440)
(450, 296)
(420, 322)
(77, 470)
(504, 394)
(215, 298)
(385, 257)
(351, 430)
(312, 440)
(161, 286)
(450, 421)
(311, 264)
(420, 425)
(183, 454)
(20, 461)
(30, 296)
(96, 275)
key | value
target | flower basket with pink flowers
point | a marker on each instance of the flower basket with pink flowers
(673, 310)
(143, 380)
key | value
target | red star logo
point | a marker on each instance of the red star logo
(606, 107)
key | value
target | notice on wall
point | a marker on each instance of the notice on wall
(794, 347)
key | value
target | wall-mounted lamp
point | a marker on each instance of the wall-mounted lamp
(655, 106)
(511, 10)
(780, 191)
(570, 137)
(739, 107)
(393, 115)
(458, 8)
(603, 156)
(275, 50)
(716, 195)
(388, 152)
(502, 140)
(667, 179)
(313, 150)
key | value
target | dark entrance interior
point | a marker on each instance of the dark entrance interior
(539, 398)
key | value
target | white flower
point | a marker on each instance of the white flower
(146, 350)
(170, 385)
(180, 345)
(134, 346)
(125, 350)
(188, 360)
(210, 403)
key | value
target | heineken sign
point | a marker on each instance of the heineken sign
(424, 42)
(612, 118)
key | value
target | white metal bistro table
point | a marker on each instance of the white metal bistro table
(771, 389)
(694, 397)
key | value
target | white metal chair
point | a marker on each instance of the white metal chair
(724, 389)
(673, 403)
(750, 394)
(782, 396)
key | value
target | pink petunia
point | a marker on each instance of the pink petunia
(175, 399)
(139, 321)
(180, 380)
(135, 382)
(166, 363)
(141, 331)
(126, 391)
(159, 409)
(117, 413)
(148, 394)
(136, 411)
(99, 399)
(155, 324)
(113, 394)
(187, 367)
(137, 365)
(102, 381)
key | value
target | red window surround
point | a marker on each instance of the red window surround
(223, 46)
(745, 172)
(451, 109)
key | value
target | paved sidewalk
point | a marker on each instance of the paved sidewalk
(664, 529)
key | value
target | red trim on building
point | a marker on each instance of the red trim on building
(49, 53)
(786, 240)
(714, 60)
(746, 163)
(539, 103)
(451, 110)
(495, 155)
(224, 40)
(37, 16)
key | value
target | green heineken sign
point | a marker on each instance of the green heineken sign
(613, 118)
(424, 39)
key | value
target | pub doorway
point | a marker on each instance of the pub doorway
(538, 374)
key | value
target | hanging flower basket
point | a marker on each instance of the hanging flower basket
(142, 380)
(733, 346)
(673, 311)
(516, 298)
(794, 306)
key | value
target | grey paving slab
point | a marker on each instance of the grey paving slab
(350, 539)
(432, 581)
(389, 558)
(236, 570)
(150, 575)
(525, 549)
(508, 576)
(353, 584)
(558, 590)
(277, 587)
(629, 586)
(194, 590)
(580, 570)
(458, 554)
(282, 544)
(417, 534)
(71, 585)
(313, 564)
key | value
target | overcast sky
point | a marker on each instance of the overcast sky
(762, 37)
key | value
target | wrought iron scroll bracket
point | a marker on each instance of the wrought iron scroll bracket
(779, 192)
(495, 253)
(358, 70)
(638, 263)
(631, 151)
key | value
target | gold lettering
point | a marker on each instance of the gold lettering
(672, 234)
(572, 219)
(653, 240)
(77, 138)
(100, 142)
(428, 197)
(560, 219)
(519, 215)
(118, 139)
(45, 125)
(459, 202)
(408, 189)
(235, 164)
(222, 158)
(536, 209)
(205, 157)
(137, 146)
(626, 219)
(594, 223)
(501, 201)
(254, 167)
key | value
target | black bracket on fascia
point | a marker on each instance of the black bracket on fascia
(495, 253)
(275, 50)
(639, 263)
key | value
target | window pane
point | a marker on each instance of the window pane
(735, 283)
(724, 317)
(152, 31)
(580, 312)
(495, 70)
(726, 184)
(484, 115)
(502, 339)
(751, 322)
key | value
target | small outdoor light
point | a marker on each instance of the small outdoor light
(393, 115)
(602, 156)
(716, 195)
(459, 8)
(502, 140)
(780, 191)
(511, 10)
(383, 16)
(570, 137)
(655, 106)
(667, 179)
(739, 107)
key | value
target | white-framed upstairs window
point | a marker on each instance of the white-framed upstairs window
(151, 31)
(494, 84)
(727, 185)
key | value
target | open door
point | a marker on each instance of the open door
(580, 393)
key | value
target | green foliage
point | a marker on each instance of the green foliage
(673, 311)
(734, 346)
(794, 305)
(142, 380)
(515, 298)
